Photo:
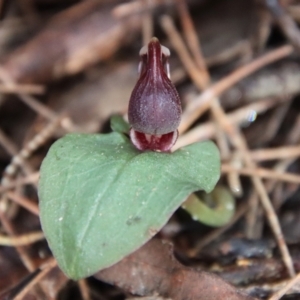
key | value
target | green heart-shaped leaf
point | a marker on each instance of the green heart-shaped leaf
(101, 199)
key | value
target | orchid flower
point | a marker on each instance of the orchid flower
(154, 109)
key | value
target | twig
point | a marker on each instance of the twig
(192, 40)
(275, 153)
(294, 132)
(262, 28)
(46, 268)
(193, 71)
(7, 144)
(273, 124)
(133, 7)
(84, 289)
(272, 287)
(11, 149)
(294, 281)
(25, 258)
(27, 99)
(285, 22)
(37, 141)
(262, 173)
(22, 89)
(254, 212)
(40, 108)
(197, 107)
(208, 129)
(24, 202)
(20, 158)
(233, 178)
(21, 240)
(253, 217)
(31, 178)
(294, 11)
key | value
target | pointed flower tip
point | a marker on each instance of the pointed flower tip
(154, 106)
(154, 40)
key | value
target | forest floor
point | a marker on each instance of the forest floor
(68, 66)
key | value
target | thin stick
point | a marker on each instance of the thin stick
(45, 270)
(7, 144)
(21, 240)
(253, 217)
(254, 210)
(40, 108)
(19, 160)
(275, 153)
(192, 40)
(25, 258)
(208, 130)
(84, 289)
(274, 122)
(37, 141)
(133, 7)
(294, 281)
(11, 149)
(35, 105)
(31, 178)
(169, 28)
(24, 202)
(285, 22)
(197, 107)
(33, 89)
(294, 132)
(262, 173)
(251, 230)
(233, 178)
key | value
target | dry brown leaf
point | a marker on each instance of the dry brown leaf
(76, 38)
(153, 270)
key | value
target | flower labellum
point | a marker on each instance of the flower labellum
(154, 108)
